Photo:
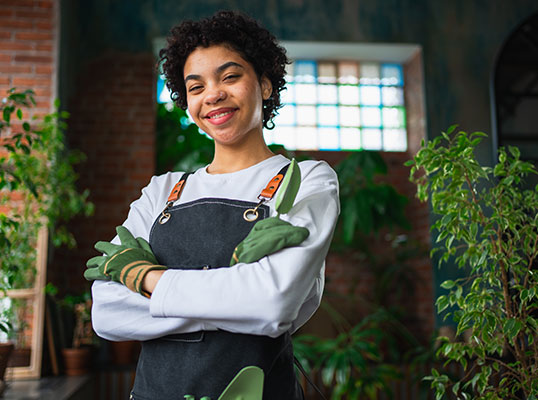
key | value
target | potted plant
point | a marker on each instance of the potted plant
(37, 184)
(77, 355)
(487, 225)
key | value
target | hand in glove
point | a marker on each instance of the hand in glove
(266, 237)
(127, 263)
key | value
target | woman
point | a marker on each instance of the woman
(200, 319)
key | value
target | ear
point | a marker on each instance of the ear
(267, 87)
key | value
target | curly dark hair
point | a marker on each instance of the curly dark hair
(243, 34)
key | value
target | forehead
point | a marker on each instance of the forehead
(207, 59)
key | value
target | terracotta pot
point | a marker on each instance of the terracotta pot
(20, 357)
(77, 361)
(5, 352)
(124, 353)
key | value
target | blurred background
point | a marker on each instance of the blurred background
(369, 80)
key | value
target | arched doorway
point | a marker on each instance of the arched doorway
(515, 88)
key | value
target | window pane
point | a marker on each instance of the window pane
(306, 115)
(369, 74)
(349, 116)
(371, 139)
(307, 138)
(305, 93)
(285, 136)
(393, 117)
(370, 95)
(371, 117)
(348, 94)
(305, 71)
(394, 140)
(327, 72)
(391, 74)
(286, 115)
(328, 139)
(287, 95)
(327, 94)
(350, 139)
(289, 72)
(348, 72)
(328, 115)
(392, 96)
(268, 136)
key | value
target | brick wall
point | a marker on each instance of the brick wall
(28, 35)
(113, 122)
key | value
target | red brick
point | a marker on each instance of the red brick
(42, 14)
(33, 36)
(43, 46)
(18, 3)
(31, 82)
(5, 35)
(45, 4)
(15, 69)
(15, 23)
(45, 25)
(6, 12)
(4, 80)
(33, 59)
(43, 91)
(5, 45)
(44, 69)
(5, 57)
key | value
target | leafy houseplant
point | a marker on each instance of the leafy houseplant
(363, 358)
(488, 225)
(36, 170)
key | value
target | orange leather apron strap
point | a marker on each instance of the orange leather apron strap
(266, 193)
(273, 185)
(178, 188)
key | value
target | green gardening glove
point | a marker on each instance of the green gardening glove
(127, 263)
(267, 237)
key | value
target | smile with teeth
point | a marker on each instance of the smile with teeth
(220, 114)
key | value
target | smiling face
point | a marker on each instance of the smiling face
(224, 95)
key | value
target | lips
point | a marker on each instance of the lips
(220, 116)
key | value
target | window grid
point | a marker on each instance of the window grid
(366, 98)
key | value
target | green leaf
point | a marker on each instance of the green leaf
(449, 284)
(19, 114)
(288, 189)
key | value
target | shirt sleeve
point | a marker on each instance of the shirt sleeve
(117, 312)
(276, 294)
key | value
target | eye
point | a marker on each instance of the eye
(231, 77)
(194, 88)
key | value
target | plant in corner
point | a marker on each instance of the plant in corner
(488, 226)
(37, 188)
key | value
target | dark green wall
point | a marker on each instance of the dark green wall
(460, 38)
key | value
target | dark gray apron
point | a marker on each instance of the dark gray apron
(202, 234)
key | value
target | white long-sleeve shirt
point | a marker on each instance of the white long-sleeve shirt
(278, 293)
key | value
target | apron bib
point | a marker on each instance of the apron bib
(202, 234)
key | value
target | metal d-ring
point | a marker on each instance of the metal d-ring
(251, 214)
(165, 216)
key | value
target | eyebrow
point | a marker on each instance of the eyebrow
(221, 68)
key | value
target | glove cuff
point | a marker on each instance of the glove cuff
(133, 274)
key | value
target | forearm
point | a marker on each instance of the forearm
(120, 314)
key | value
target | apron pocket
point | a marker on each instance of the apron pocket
(193, 337)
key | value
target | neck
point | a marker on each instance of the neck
(237, 157)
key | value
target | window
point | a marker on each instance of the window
(343, 96)
(342, 105)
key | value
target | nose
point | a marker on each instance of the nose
(215, 95)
